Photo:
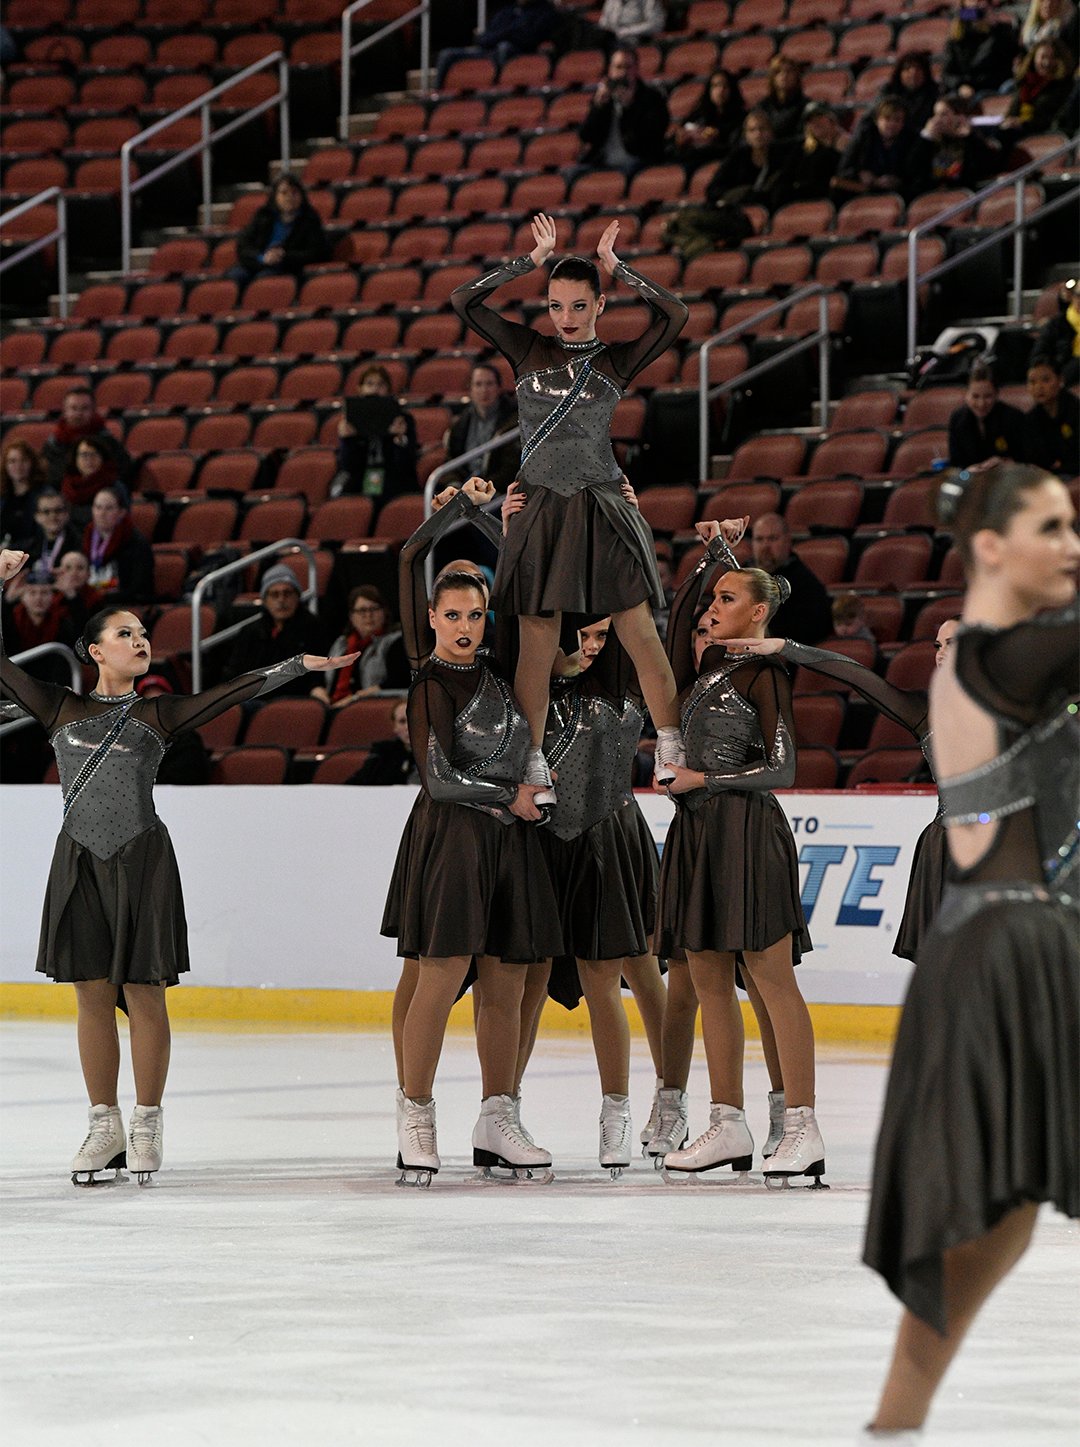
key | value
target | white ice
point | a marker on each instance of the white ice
(274, 1286)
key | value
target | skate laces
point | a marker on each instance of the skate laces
(508, 1126)
(672, 1122)
(145, 1133)
(614, 1128)
(668, 746)
(101, 1130)
(420, 1125)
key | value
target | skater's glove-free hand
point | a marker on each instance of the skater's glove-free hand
(314, 664)
(513, 502)
(543, 230)
(684, 781)
(11, 560)
(760, 646)
(523, 806)
(442, 498)
(480, 490)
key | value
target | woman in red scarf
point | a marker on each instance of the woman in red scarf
(121, 562)
(382, 663)
(92, 471)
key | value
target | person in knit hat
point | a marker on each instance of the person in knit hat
(282, 629)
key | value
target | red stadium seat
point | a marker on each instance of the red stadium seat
(894, 562)
(206, 524)
(849, 454)
(292, 723)
(171, 634)
(259, 764)
(339, 766)
(359, 723)
(220, 431)
(827, 558)
(270, 521)
(668, 509)
(886, 766)
(818, 720)
(399, 518)
(773, 457)
(825, 504)
(340, 519)
(816, 768)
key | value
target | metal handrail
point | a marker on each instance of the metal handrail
(452, 464)
(309, 595)
(820, 339)
(202, 104)
(59, 235)
(1016, 179)
(39, 651)
(348, 49)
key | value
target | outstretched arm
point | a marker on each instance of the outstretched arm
(42, 701)
(175, 714)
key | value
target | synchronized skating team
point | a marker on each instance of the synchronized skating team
(526, 869)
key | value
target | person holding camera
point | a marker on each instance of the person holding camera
(377, 449)
(628, 120)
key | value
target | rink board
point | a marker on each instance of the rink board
(285, 887)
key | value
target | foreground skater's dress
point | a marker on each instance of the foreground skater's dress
(982, 1110)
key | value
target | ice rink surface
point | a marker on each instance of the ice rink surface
(273, 1286)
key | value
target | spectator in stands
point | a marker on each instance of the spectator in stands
(1052, 426)
(1050, 20)
(283, 237)
(22, 473)
(382, 663)
(92, 469)
(815, 160)
(390, 760)
(948, 153)
(1059, 338)
(53, 534)
(1067, 120)
(755, 170)
(979, 52)
(281, 630)
(378, 464)
(79, 420)
(186, 760)
(912, 83)
(519, 28)
(625, 22)
(627, 121)
(489, 413)
(849, 620)
(714, 126)
(1043, 82)
(784, 101)
(37, 618)
(71, 579)
(878, 155)
(121, 560)
(806, 616)
(983, 428)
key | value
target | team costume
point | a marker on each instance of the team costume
(982, 1110)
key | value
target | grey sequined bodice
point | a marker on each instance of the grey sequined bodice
(721, 730)
(116, 800)
(591, 743)
(578, 452)
(491, 739)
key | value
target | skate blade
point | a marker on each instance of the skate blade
(86, 1179)
(615, 1171)
(740, 1172)
(809, 1180)
(512, 1176)
(144, 1178)
(415, 1177)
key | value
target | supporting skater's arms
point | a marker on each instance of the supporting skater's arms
(174, 714)
(42, 701)
(687, 601)
(412, 585)
(770, 693)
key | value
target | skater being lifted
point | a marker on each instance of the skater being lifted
(579, 545)
(113, 921)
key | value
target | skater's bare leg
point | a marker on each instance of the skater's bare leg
(151, 1041)
(765, 1030)
(635, 629)
(532, 678)
(601, 982)
(406, 986)
(533, 999)
(437, 984)
(498, 1029)
(921, 1356)
(713, 975)
(779, 990)
(642, 974)
(680, 1018)
(99, 1039)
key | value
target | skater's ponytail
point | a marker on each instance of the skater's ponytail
(576, 268)
(93, 632)
(772, 589)
(967, 502)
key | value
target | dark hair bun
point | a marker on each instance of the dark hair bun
(783, 587)
(82, 651)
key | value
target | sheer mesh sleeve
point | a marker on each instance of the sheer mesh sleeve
(488, 524)
(1024, 672)
(669, 316)
(432, 710)
(770, 693)
(684, 609)
(412, 585)
(907, 707)
(470, 302)
(42, 701)
(174, 715)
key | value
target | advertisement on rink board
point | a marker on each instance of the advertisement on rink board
(285, 887)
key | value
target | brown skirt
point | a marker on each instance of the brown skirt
(924, 891)
(119, 919)
(466, 884)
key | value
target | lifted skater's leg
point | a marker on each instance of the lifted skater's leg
(539, 643)
(636, 631)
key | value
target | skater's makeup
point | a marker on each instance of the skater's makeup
(592, 639)
(574, 308)
(734, 607)
(945, 635)
(457, 615)
(122, 644)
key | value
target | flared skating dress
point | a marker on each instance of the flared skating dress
(114, 908)
(729, 878)
(982, 1110)
(578, 546)
(910, 709)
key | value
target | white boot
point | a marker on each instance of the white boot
(653, 1122)
(727, 1142)
(776, 1123)
(538, 772)
(616, 1134)
(517, 1119)
(399, 1106)
(669, 752)
(418, 1150)
(146, 1139)
(498, 1141)
(103, 1148)
(671, 1129)
(801, 1151)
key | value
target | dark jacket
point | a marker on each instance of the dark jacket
(259, 646)
(382, 469)
(643, 126)
(739, 178)
(807, 615)
(963, 161)
(808, 174)
(1054, 442)
(1001, 435)
(502, 462)
(1036, 106)
(186, 760)
(785, 116)
(58, 451)
(389, 762)
(867, 151)
(35, 544)
(980, 55)
(919, 104)
(126, 573)
(523, 26)
(305, 244)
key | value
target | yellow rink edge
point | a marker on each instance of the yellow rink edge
(225, 1007)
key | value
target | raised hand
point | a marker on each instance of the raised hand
(605, 246)
(543, 230)
(442, 498)
(314, 664)
(11, 560)
(761, 646)
(732, 529)
(480, 490)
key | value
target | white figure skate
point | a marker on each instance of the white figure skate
(801, 1151)
(669, 754)
(102, 1150)
(145, 1142)
(776, 1124)
(653, 1122)
(500, 1145)
(418, 1150)
(537, 771)
(616, 1134)
(727, 1142)
(671, 1132)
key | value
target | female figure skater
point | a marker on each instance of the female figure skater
(469, 880)
(113, 921)
(729, 890)
(579, 546)
(982, 1118)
